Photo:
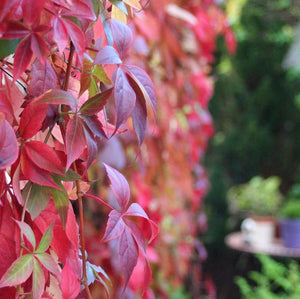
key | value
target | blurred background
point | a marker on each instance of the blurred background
(255, 108)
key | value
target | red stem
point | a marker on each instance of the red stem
(78, 189)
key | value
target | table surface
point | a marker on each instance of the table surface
(235, 241)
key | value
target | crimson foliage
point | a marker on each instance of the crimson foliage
(66, 74)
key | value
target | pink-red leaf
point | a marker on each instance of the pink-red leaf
(69, 283)
(80, 9)
(15, 30)
(60, 33)
(36, 174)
(107, 55)
(144, 83)
(125, 98)
(23, 56)
(39, 47)
(128, 253)
(43, 78)
(91, 146)
(32, 119)
(75, 140)
(56, 96)
(38, 280)
(139, 118)
(8, 145)
(77, 37)
(96, 103)
(44, 156)
(96, 127)
(115, 226)
(18, 272)
(122, 36)
(119, 186)
(137, 211)
(32, 10)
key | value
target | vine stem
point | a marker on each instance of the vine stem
(78, 188)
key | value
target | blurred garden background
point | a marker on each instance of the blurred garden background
(255, 108)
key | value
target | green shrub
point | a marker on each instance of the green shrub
(274, 281)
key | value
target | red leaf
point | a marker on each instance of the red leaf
(69, 283)
(91, 146)
(6, 6)
(139, 117)
(11, 100)
(56, 96)
(60, 33)
(136, 210)
(8, 145)
(144, 83)
(43, 78)
(115, 226)
(95, 126)
(128, 253)
(77, 37)
(15, 30)
(23, 56)
(119, 186)
(80, 9)
(96, 103)
(107, 55)
(75, 140)
(125, 98)
(44, 156)
(39, 47)
(32, 10)
(32, 119)
(122, 36)
(34, 173)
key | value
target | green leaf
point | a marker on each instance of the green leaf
(8, 46)
(70, 175)
(93, 89)
(46, 240)
(48, 262)
(38, 280)
(99, 73)
(27, 232)
(18, 272)
(61, 201)
(37, 199)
